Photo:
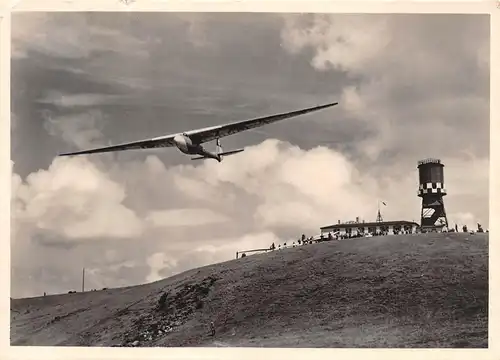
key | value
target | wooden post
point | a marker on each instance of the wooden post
(83, 280)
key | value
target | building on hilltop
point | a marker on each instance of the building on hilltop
(356, 228)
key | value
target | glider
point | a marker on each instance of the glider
(190, 142)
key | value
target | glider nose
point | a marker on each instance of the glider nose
(181, 143)
(178, 139)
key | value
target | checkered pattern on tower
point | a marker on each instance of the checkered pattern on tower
(432, 188)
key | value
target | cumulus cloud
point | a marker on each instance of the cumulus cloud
(348, 43)
(291, 192)
(73, 199)
(131, 219)
(423, 88)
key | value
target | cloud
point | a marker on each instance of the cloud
(348, 43)
(73, 199)
(252, 204)
(407, 100)
(158, 262)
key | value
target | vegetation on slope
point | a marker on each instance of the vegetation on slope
(397, 291)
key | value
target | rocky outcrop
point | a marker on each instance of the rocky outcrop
(172, 311)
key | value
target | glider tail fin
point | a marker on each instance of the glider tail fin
(219, 149)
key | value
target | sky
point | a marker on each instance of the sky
(409, 87)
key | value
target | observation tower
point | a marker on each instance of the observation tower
(431, 190)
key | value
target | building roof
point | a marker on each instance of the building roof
(369, 224)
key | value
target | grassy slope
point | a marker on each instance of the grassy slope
(398, 291)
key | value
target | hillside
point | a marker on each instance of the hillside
(398, 291)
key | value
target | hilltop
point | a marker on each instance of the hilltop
(426, 290)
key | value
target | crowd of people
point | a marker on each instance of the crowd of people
(303, 240)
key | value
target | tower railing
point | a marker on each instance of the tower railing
(429, 161)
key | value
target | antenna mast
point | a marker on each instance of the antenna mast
(379, 215)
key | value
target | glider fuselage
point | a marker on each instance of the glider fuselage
(185, 144)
